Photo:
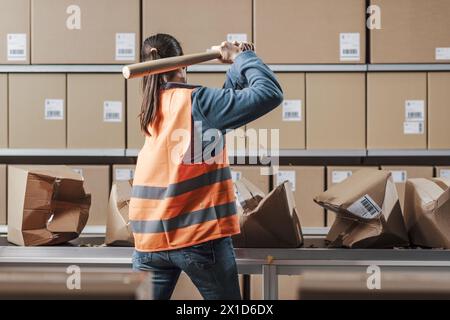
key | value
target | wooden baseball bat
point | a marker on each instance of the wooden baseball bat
(167, 64)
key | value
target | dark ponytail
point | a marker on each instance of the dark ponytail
(155, 47)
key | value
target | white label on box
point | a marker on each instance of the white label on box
(442, 53)
(292, 110)
(239, 37)
(399, 176)
(444, 173)
(78, 170)
(236, 175)
(365, 208)
(350, 45)
(54, 109)
(414, 110)
(125, 46)
(413, 127)
(124, 174)
(286, 175)
(17, 46)
(340, 176)
(112, 111)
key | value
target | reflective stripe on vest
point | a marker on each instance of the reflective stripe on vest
(174, 204)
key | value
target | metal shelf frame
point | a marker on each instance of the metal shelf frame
(214, 68)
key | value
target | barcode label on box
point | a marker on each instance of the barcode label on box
(442, 53)
(413, 127)
(239, 37)
(414, 110)
(444, 173)
(124, 174)
(399, 176)
(78, 170)
(339, 176)
(112, 111)
(286, 175)
(236, 175)
(350, 44)
(292, 110)
(125, 46)
(16, 46)
(365, 208)
(54, 109)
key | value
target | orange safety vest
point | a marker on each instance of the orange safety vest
(176, 204)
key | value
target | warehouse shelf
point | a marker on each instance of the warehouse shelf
(408, 153)
(209, 68)
(63, 152)
(323, 153)
(408, 67)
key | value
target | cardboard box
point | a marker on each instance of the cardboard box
(306, 183)
(15, 32)
(235, 139)
(96, 118)
(123, 172)
(397, 110)
(338, 37)
(368, 212)
(96, 179)
(401, 174)
(427, 210)
(289, 118)
(336, 111)
(412, 31)
(135, 137)
(3, 111)
(37, 111)
(267, 221)
(336, 175)
(118, 229)
(2, 194)
(215, 21)
(443, 172)
(85, 31)
(438, 110)
(47, 205)
(252, 174)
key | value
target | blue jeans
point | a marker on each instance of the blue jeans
(211, 266)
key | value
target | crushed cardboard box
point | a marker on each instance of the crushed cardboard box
(368, 212)
(427, 212)
(118, 230)
(267, 221)
(47, 205)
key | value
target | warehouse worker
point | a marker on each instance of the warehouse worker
(182, 209)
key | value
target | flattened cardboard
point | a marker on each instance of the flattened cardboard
(3, 111)
(213, 20)
(83, 31)
(267, 222)
(411, 172)
(427, 212)
(2, 194)
(411, 31)
(135, 137)
(86, 106)
(385, 230)
(291, 133)
(28, 126)
(310, 181)
(118, 229)
(235, 139)
(438, 110)
(47, 205)
(336, 111)
(14, 19)
(96, 179)
(288, 21)
(387, 94)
